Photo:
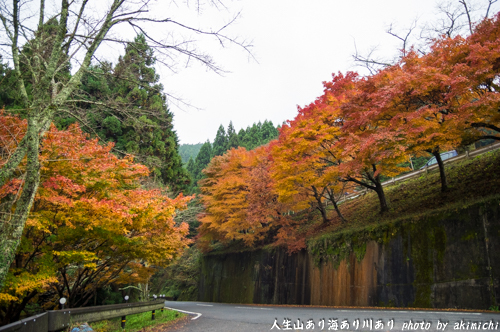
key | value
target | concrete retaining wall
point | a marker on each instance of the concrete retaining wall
(444, 261)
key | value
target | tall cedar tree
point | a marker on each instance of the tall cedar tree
(252, 137)
(232, 137)
(202, 160)
(268, 131)
(187, 151)
(132, 88)
(190, 167)
(220, 142)
(8, 95)
(241, 136)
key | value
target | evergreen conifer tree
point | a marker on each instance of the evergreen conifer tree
(191, 167)
(220, 142)
(132, 87)
(232, 138)
(202, 160)
(253, 137)
(241, 138)
(8, 91)
(268, 132)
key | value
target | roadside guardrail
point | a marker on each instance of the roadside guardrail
(56, 320)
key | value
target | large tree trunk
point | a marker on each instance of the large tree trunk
(442, 174)
(48, 96)
(379, 189)
(13, 223)
(375, 185)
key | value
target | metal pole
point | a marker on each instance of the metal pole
(124, 318)
(153, 315)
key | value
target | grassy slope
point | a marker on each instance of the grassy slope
(470, 181)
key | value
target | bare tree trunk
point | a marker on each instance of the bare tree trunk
(334, 202)
(442, 173)
(319, 205)
(379, 189)
(375, 186)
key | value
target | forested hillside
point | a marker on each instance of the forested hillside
(253, 136)
(187, 151)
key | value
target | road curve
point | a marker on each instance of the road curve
(222, 317)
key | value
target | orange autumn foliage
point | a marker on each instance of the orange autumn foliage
(306, 157)
(239, 199)
(361, 129)
(91, 223)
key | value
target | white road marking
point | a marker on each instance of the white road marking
(253, 308)
(418, 312)
(205, 305)
(198, 315)
(464, 313)
(437, 312)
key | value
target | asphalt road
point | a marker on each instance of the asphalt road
(221, 317)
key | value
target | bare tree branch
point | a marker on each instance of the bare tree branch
(368, 61)
(490, 3)
(464, 3)
(405, 39)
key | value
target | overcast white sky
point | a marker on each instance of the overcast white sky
(298, 44)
